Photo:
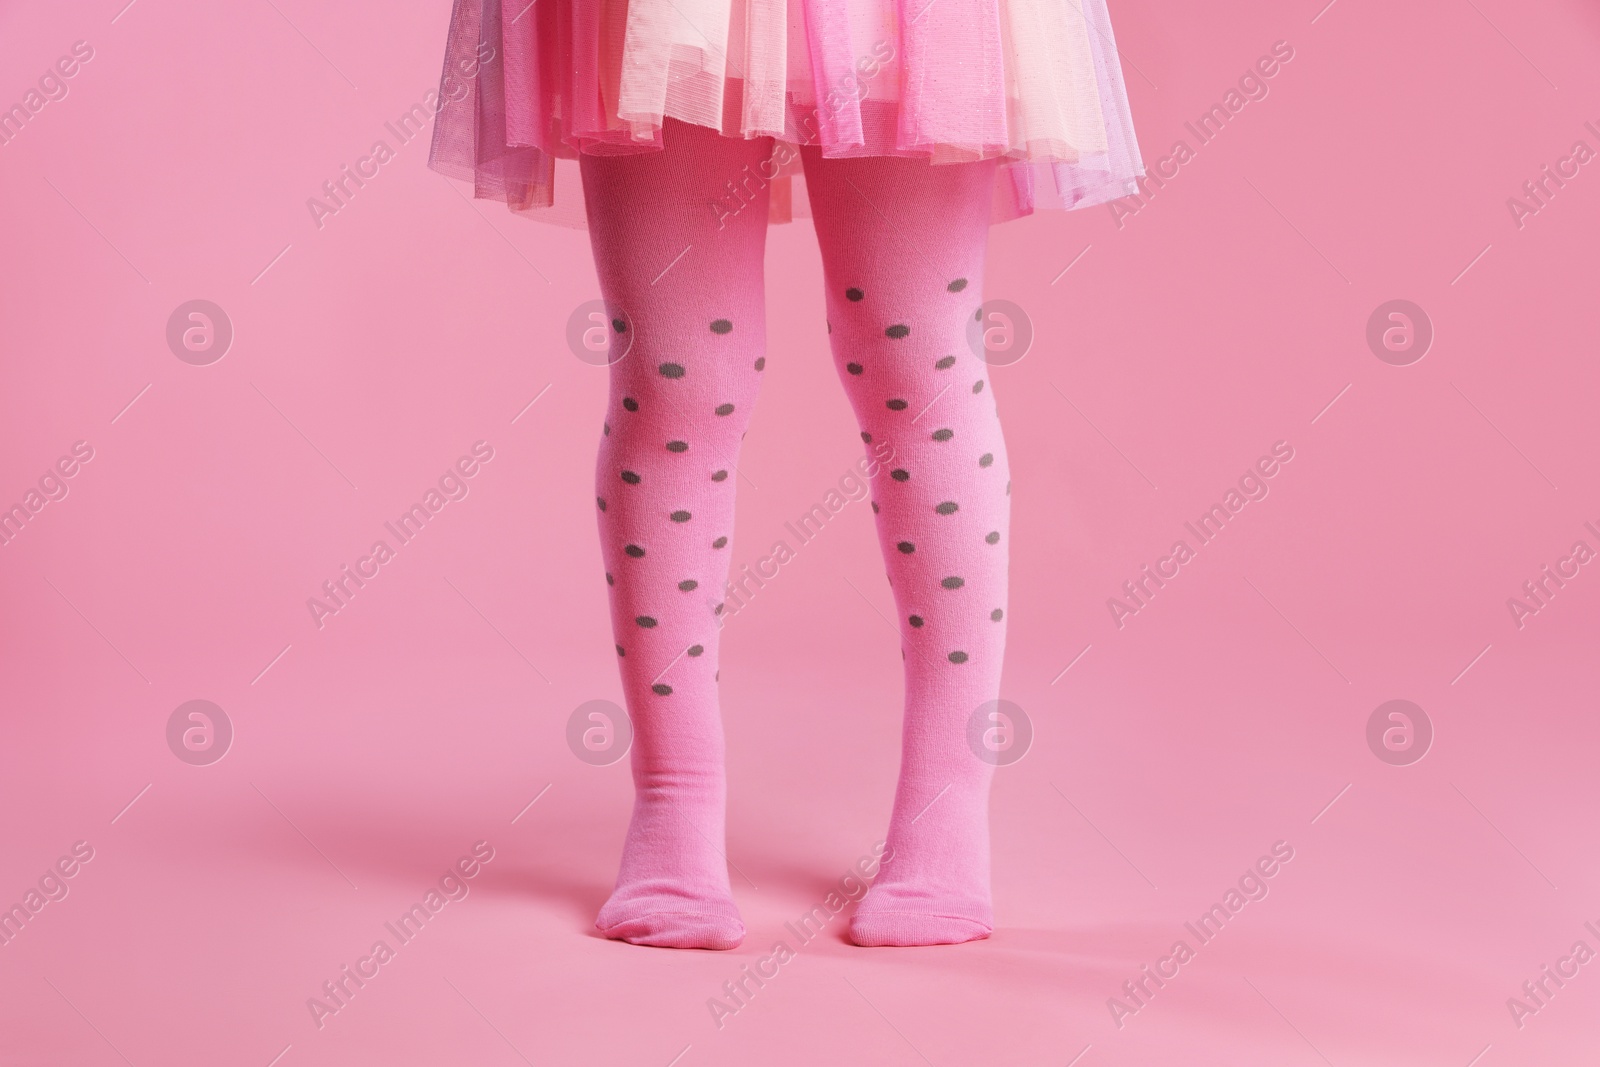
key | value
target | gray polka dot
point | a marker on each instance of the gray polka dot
(661, 689)
(977, 386)
(630, 403)
(907, 547)
(915, 621)
(677, 446)
(953, 582)
(993, 538)
(977, 316)
(874, 507)
(680, 516)
(688, 585)
(897, 331)
(601, 501)
(672, 370)
(724, 409)
(896, 405)
(719, 542)
(946, 363)
(853, 294)
(997, 614)
(720, 476)
(853, 368)
(943, 435)
(635, 551)
(949, 507)
(986, 459)
(957, 285)
(718, 609)
(605, 428)
(958, 657)
(645, 621)
(761, 363)
(630, 477)
(900, 475)
(610, 580)
(621, 651)
(866, 437)
(695, 650)
(721, 326)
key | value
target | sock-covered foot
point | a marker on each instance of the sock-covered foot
(672, 890)
(932, 887)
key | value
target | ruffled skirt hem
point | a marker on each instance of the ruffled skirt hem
(1033, 83)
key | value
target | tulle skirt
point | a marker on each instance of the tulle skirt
(1036, 84)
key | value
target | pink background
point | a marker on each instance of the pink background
(371, 754)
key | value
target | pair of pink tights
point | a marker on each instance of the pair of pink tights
(902, 248)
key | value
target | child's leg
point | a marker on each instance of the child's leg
(902, 252)
(688, 280)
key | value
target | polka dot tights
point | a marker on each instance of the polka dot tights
(903, 246)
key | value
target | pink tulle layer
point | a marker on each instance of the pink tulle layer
(1033, 83)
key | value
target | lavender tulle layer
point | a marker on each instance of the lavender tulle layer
(1035, 84)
